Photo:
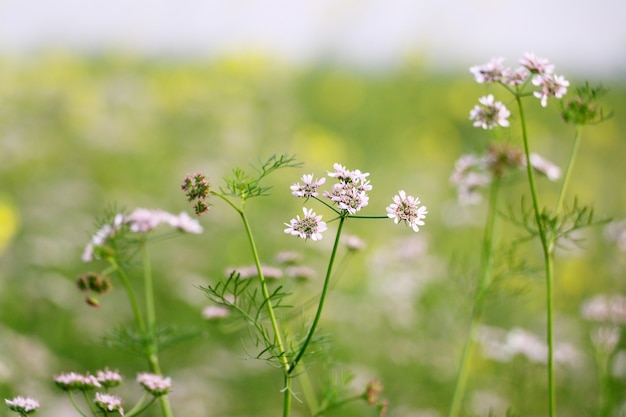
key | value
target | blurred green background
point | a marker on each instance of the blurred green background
(79, 133)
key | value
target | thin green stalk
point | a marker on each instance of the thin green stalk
(131, 296)
(482, 288)
(287, 396)
(150, 333)
(266, 294)
(548, 263)
(307, 390)
(75, 404)
(568, 172)
(270, 309)
(320, 306)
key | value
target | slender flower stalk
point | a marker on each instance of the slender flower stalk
(278, 339)
(548, 252)
(320, 305)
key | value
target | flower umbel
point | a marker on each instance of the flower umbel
(407, 208)
(491, 72)
(551, 86)
(73, 381)
(196, 188)
(489, 113)
(108, 402)
(108, 378)
(156, 385)
(308, 188)
(310, 226)
(22, 405)
(350, 192)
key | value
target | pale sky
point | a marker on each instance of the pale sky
(586, 36)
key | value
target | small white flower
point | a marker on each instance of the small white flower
(544, 166)
(22, 405)
(108, 402)
(185, 223)
(215, 312)
(407, 208)
(470, 173)
(142, 220)
(308, 188)
(536, 65)
(310, 226)
(515, 77)
(154, 384)
(353, 243)
(491, 72)
(109, 378)
(344, 175)
(605, 309)
(551, 86)
(489, 113)
(73, 381)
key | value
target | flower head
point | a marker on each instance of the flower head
(407, 208)
(308, 188)
(22, 405)
(108, 402)
(108, 378)
(470, 173)
(489, 113)
(551, 86)
(155, 384)
(310, 226)
(196, 188)
(215, 312)
(373, 390)
(491, 72)
(545, 167)
(184, 223)
(535, 64)
(350, 191)
(515, 77)
(73, 381)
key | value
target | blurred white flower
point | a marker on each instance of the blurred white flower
(489, 113)
(491, 72)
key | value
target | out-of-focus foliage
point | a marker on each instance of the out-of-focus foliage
(80, 134)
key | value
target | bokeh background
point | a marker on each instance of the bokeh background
(111, 103)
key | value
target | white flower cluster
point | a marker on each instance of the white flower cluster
(349, 195)
(472, 172)
(22, 405)
(538, 71)
(141, 220)
(501, 345)
(109, 402)
(155, 384)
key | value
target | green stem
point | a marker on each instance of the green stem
(266, 294)
(320, 306)
(307, 390)
(548, 263)
(287, 396)
(278, 340)
(75, 404)
(568, 172)
(150, 334)
(131, 296)
(482, 289)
